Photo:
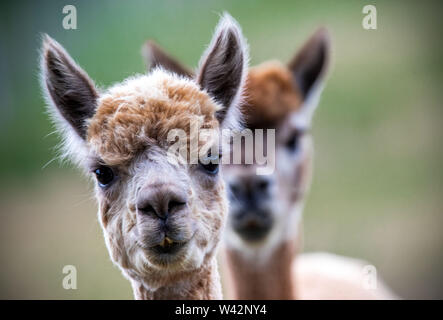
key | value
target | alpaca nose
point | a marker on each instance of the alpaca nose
(160, 201)
(251, 189)
(250, 215)
(261, 184)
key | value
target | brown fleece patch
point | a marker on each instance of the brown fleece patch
(271, 95)
(270, 280)
(141, 111)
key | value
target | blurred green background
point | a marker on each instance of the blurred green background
(377, 189)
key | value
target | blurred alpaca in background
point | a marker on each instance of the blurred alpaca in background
(263, 231)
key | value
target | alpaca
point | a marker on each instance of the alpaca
(162, 218)
(262, 234)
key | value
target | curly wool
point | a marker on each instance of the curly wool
(142, 110)
(271, 95)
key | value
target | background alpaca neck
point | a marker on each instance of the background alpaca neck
(203, 284)
(268, 279)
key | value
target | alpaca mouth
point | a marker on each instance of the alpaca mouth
(253, 229)
(171, 250)
(253, 233)
(168, 247)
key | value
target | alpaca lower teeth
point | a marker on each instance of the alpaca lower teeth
(166, 242)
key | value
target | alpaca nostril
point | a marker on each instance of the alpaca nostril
(235, 189)
(262, 185)
(174, 205)
(147, 208)
(160, 202)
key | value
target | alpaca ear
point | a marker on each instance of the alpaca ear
(309, 68)
(310, 64)
(72, 95)
(155, 56)
(223, 67)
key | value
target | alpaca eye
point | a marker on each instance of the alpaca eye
(210, 163)
(104, 175)
(292, 142)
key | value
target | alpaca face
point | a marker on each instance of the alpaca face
(157, 211)
(162, 215)
(265, 210)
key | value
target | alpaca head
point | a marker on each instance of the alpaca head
(162, 216)
(264, 209)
